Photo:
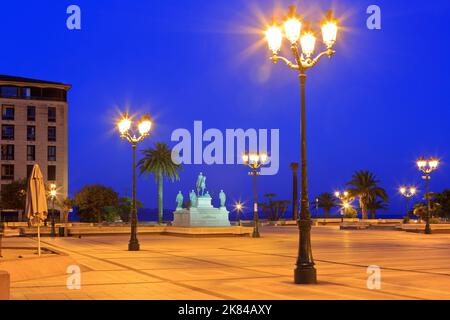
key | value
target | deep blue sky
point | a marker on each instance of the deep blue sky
(379, 103)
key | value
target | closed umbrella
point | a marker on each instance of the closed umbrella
(36, 204)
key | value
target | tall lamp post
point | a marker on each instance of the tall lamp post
(255, 162)
(127, 134)
(305, 272)
(53, 197)
(427, 166)
(408, 193)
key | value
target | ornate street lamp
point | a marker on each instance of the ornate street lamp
(53, 197)
(408, 193)
(255, 161)
(344, 197)
(427, 166)
(295, 31)
(144, 127)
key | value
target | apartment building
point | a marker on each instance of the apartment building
(34, 120)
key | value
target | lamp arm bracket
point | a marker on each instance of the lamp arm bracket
(309, 62)
(291, 65)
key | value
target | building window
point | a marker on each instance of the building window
(29, 171)
(7, 132)
(31, 133)
(31, 153)
(51, 173)
(7, 172)
(8, 91)
(7, 152)
(51, 133)
(25, 93)
(7, 112)
(31, 113)
(51, 153)
(51, 114)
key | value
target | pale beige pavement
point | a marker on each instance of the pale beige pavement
(413, 266)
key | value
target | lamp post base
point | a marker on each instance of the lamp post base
(133, 246)
(427, 229)
(256, 234)
(305, 275)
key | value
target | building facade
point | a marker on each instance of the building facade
(34, 120)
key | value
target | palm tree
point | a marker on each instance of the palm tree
(365, 187)
(373, 205)
(158, 161)
(327, 201)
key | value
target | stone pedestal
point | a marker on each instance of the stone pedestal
(203, 215)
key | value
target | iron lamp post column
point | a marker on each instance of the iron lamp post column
(53, 232)
(255, 208)
(305, 272)
(53, 193)
(133, 245)
(427, 195)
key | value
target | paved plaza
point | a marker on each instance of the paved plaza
(413, 266)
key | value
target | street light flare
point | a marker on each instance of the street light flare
(329, 30)
(433, 163)
(292, 29)
(254, 158)
(308, 42)
(274, 38)
(124, 124)
(263, 158)
(145, 125)
(421, 163)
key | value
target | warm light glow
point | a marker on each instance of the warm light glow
(145, 125)
(329, 33)
(124, 124)
(346, 205)
(274, 37)
(263, 158)
(413, 190)
(245, 158)
(345, 194)
(402, 190)
(254, 158)
(292, 29)
(53, 190)
(238, 206)
(433, 164)
(421, 164)
(308, 42)
(337, 194)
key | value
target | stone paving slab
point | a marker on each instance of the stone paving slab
(413, 266)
